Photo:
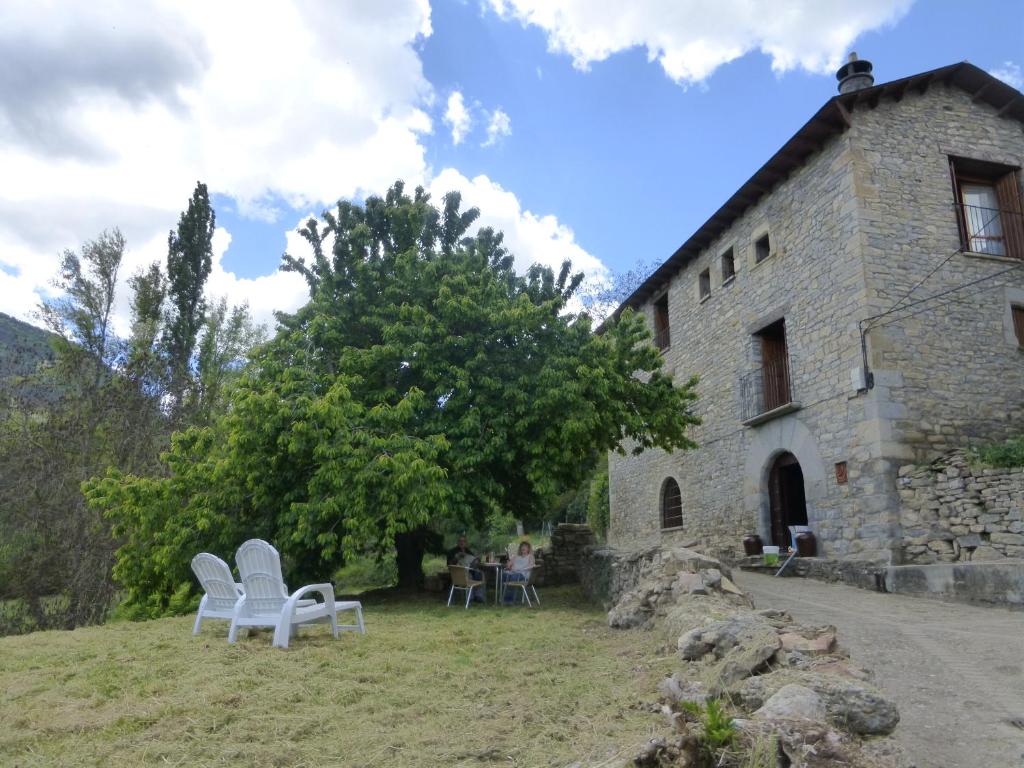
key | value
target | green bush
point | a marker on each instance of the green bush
(1002, 455)
(598, 503)
(366, 572)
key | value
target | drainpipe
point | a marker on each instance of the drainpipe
(869, 377)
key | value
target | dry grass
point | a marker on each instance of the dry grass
(426, 686)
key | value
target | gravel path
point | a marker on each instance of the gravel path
(955, 671)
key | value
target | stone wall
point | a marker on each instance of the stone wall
(949, 508)
(950, 372)
(561, 560)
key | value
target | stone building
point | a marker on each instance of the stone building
(856, 306)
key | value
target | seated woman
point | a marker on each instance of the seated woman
(518, 568)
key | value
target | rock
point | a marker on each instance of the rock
(850, 704)
(712, 577)
(679, 560)
(728, 586)
(690, 584)
(822, 640)
(793, 702)
(678, 689)
(692, 645)
(740, 646)
(630, 611)
(858, 708)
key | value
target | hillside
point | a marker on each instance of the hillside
(22, 347)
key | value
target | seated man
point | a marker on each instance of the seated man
(461, 554)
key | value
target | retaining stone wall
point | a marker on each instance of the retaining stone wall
(561, 560)
(949, 506)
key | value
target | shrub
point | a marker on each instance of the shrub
(1003, 455)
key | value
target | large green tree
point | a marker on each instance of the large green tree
(424, 384)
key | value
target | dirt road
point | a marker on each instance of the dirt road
(955, 671)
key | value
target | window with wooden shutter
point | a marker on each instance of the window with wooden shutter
(1018, 323)
(671, 504)
(662, 338)
(990, 214)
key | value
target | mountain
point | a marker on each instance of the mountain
(22, 348)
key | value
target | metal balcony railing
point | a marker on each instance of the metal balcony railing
(662, 340)
(993, 231)
(765, 388)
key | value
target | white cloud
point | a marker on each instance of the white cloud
(116, 109)
(457, 117)
(531, 238)
(499, 126)
(1010, 73)
(267, 102)
(692, 38)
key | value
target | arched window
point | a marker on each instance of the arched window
(671, 504)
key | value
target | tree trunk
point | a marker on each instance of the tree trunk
(409, 547)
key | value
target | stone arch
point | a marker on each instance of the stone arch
(767, 442)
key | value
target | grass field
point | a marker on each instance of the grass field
(426, 686)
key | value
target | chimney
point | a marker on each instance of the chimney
(854, 74)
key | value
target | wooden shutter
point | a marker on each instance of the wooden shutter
(958, 206)
(1011, 214)
(1018, 323)
(775, 366)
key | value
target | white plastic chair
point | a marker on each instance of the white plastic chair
(266, 602)
(221, 590)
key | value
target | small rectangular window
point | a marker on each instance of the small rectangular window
(1018, 324)
(728, 266)
(762, 248)
(661, 333)
(705, 284)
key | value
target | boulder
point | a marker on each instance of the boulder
(850, 704)
(793, 702)
(809, 744)
(816, 641)
(677, 689)
(691, 584)
(631, 611)
(857, 708)
(739, 647)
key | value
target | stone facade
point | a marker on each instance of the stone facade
(864, 220)
(953, 512)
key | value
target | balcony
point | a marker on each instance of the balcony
(766, 392)
(991, 231)
(662, 340)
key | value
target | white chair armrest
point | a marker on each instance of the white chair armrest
(327, 590)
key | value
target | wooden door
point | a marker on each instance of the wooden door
(786, 498)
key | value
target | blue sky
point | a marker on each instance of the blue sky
(630, 160)
(618, 143)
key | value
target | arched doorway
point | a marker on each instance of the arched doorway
(786, 498)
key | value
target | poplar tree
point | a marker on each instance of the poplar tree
(189, 261)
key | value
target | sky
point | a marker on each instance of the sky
(595, 130)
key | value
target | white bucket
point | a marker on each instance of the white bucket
(771, 555)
